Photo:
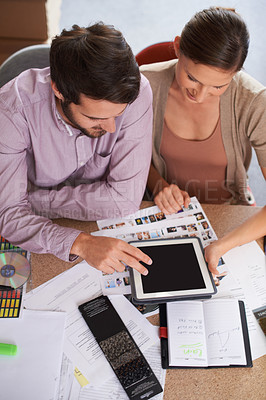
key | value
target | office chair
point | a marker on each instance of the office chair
(157, 52)
(35, 56)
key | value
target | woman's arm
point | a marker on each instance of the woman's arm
(263, 170)
(252, 229)
(169, 198)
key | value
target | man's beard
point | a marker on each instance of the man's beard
(93, 133)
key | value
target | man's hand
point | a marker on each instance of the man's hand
(170, 199)
(109, 254)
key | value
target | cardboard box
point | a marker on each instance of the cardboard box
(27, 22)
(23, 19)
(10, 46)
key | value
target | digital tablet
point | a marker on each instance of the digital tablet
(178, 272)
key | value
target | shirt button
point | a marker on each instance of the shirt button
(82, 163)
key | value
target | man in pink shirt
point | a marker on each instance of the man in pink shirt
(76, 143)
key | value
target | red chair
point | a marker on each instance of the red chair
(157, 52)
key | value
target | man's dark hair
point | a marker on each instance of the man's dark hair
(96, 61)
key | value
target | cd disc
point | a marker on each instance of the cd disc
(14, 269)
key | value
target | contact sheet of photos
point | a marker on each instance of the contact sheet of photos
(151, 223)
(149, 218)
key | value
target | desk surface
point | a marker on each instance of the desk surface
(184, 384)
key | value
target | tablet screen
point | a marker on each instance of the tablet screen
(174, 267)
(178, 270)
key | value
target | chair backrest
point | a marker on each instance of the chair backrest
(157, 52)
(36, 56)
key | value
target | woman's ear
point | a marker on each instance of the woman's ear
(176, 45)
(56, 91)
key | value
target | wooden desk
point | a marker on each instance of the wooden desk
(185, 384)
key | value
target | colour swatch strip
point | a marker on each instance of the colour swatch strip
(10, 303)
(5, 245)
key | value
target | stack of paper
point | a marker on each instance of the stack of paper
(34, 372)
(72, 288)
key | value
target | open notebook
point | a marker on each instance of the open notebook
(211, 333)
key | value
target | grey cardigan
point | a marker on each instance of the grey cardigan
(243, 123)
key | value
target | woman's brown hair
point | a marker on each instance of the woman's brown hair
(216, 36)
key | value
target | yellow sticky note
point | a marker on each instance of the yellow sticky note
(80, 378)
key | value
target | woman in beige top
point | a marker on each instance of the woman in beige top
(207, 115)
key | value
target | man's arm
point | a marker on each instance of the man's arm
(38, 234)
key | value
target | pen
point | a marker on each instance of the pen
(8, 349)
(3, 287)
(264, 244)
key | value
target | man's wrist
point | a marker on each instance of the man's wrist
(74, 251)
(77, 248)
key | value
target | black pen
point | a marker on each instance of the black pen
(3, 287)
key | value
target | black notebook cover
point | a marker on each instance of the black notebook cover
(164, 340)
(120, 349)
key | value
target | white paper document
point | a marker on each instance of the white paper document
(66, 379)
(247, 264)
(66, 292)
(35, 371)
(112, 389)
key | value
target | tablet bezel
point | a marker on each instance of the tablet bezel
(140, 297)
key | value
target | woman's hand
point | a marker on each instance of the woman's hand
(213, 253)
(171, 199)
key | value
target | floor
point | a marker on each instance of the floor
(145, 22)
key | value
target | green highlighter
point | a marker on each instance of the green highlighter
(8, 349)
